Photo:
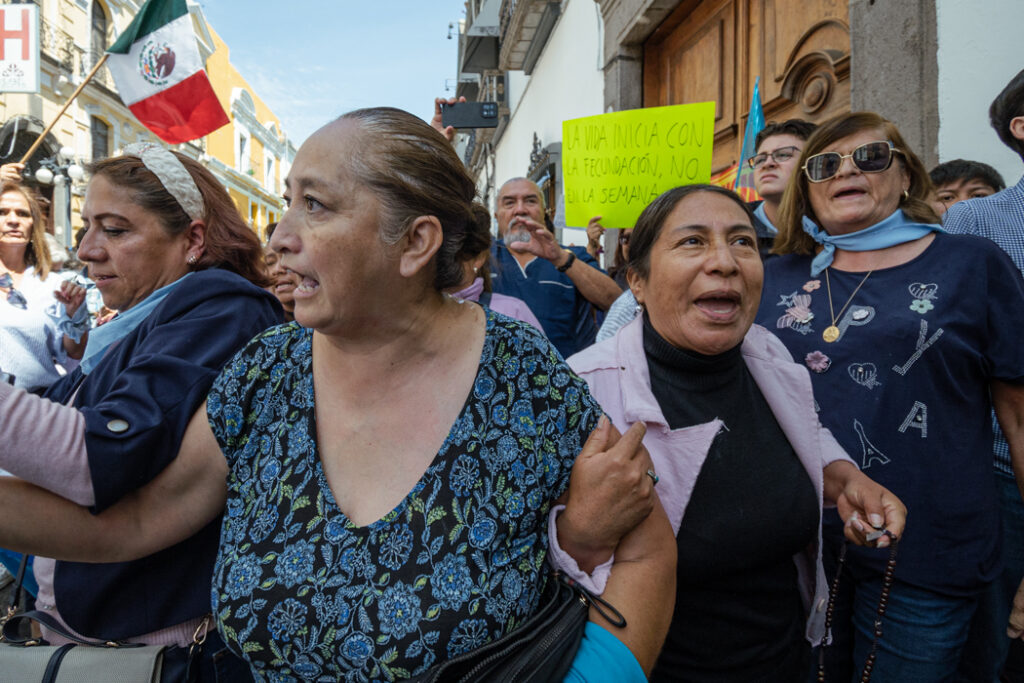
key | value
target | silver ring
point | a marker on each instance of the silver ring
(654, 477)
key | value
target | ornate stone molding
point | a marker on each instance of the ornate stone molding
(524, 28)
(811, 80)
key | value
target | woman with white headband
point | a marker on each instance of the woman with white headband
(168, 249)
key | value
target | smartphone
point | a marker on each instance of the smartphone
(470, 115)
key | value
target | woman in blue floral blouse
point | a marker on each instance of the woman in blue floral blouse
(391, 456)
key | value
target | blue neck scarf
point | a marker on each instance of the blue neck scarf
(102, 337)
(896, 229)
(763, 215)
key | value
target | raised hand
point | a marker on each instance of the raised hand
(11, 173)
(595, 231)
(71, 295)
(436, 121)
(541, 243)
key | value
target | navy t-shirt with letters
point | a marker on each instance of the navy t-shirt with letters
(905, 390)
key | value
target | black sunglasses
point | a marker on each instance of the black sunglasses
(14, 297)
(871, 157)
(780, 155)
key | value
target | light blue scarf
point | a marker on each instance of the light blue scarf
(896, 229)
(123, 323)
(763, 215)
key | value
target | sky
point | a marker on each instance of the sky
(312, 60)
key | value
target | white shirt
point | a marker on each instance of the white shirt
(31, 345)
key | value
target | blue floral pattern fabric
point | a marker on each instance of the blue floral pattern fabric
(302, 593)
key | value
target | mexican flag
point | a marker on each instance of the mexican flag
(160, 75)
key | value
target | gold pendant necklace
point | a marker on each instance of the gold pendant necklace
(831, 332)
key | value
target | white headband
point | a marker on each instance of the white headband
(172, 175)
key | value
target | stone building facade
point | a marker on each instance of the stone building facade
(931, 66)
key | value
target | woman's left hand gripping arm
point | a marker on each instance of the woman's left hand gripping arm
(609, 494)
(864, 506)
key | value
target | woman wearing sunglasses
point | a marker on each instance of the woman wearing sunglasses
(33, 341)
(911, 334)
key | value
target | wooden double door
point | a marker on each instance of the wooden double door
(712, 50)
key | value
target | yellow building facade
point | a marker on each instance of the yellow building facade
(250, 155)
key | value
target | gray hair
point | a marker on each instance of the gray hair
(540, 193)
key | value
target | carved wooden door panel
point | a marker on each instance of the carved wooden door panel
(714, 49)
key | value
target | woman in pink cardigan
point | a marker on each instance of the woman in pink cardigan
(744, 465)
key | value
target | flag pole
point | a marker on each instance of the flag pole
(81, 86)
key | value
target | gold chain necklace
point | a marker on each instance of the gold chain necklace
(831, 332)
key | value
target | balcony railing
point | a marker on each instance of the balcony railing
(60, 46)
(508, 9)
(85, 63)
(524, 29)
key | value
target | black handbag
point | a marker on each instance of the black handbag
(540, 650)
(27, 659)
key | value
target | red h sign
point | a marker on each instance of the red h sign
(21, 34)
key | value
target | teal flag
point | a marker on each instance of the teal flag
(744, 185)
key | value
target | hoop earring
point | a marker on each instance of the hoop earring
(906, 195)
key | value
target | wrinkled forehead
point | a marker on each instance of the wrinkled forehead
(14, 199)
(516, 189)
(707, 210)
(774, 142)
(964, 184)
(848, 143)
(101, 195)
(323, 157)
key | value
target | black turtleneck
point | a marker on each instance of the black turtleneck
(738, 613)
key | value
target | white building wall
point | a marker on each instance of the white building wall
(979, 51)
(567, 82)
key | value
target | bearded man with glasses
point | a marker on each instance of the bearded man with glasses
(778, 147)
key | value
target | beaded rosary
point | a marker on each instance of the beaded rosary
(883, 601)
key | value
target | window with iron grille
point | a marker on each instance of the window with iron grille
(97, 33)
(100, 132)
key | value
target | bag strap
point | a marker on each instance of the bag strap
(10, 634)
(10, 621)
(16, 588)
(602, 606)
(19, 579)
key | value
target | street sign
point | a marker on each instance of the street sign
(19, 48)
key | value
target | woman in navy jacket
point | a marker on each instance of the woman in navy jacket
(168, 250)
